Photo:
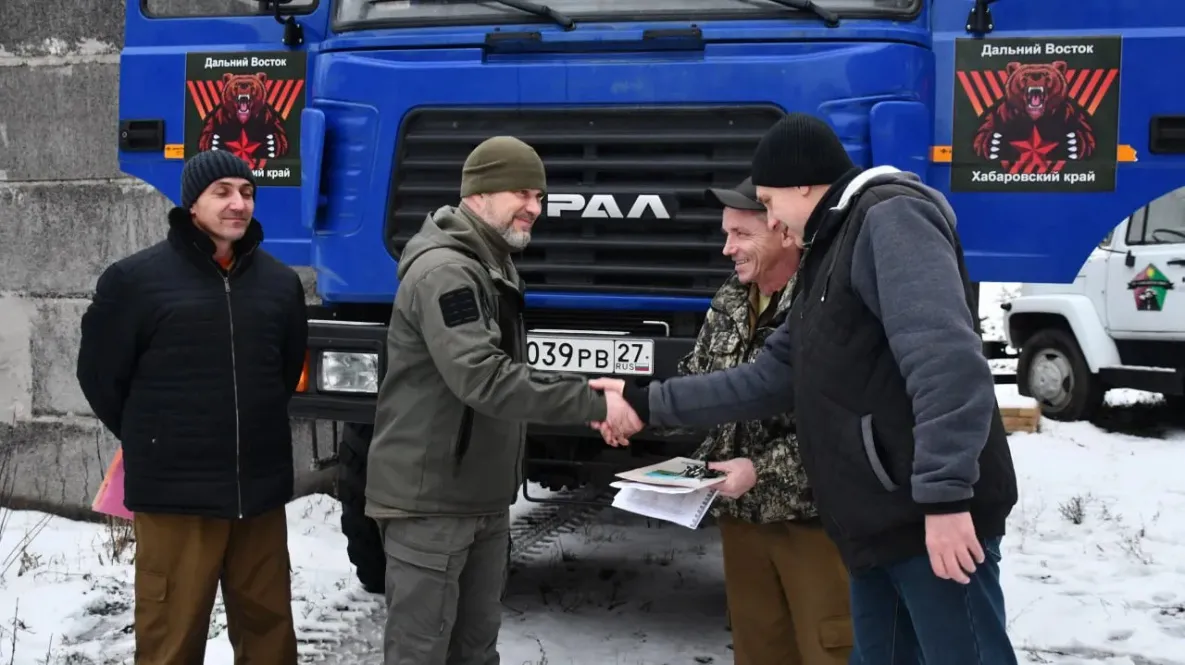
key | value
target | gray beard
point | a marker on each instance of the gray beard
(516, 239)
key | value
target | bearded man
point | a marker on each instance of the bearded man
(445, 463)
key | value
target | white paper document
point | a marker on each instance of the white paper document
(686, 508)
(673, 473)
(647, 487)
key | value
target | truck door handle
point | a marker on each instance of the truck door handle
(142, 135)
(1166, 135)
(1177, 262)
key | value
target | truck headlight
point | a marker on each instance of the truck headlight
(348, 372)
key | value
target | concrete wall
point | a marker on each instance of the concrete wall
(66, 212)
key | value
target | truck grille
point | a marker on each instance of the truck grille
(648, 323)
(672, 152)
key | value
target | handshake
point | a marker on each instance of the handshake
(621, 421)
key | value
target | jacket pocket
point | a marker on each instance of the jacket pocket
(840, 446)
(421, 573)
(485, 478)
(868, 438)
(461, 440)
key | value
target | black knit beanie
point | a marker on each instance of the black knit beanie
(206, 167)
(502, 164)
(799, 150)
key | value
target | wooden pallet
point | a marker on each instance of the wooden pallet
(1021, 415)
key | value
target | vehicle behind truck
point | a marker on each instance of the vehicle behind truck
(1119, 324)
(1043, 122)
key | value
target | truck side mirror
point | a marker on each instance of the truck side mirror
(1129, 260)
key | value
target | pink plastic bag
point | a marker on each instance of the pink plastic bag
(109, 499)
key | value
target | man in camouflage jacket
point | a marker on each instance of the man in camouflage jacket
(728, 338)
(787, 586)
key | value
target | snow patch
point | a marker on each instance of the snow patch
(1093, 569)
(991, 296)
(1094, 565)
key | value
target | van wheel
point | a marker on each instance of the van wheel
(364, 544)
(1052, 369)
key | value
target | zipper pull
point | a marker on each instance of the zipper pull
(226, 284)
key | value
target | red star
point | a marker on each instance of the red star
(1033, 150)
(244, 148)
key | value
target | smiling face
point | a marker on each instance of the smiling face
(747, 242)
(224, 209)
(511, 214)
(760, 256)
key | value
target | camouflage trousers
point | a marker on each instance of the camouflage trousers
(444, 588)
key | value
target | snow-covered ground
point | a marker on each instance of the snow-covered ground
(1094, 570)
(1095, 563)
(991, 296)
(66, 592)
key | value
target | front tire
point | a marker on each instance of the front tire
(364, 543)
(1053, 370)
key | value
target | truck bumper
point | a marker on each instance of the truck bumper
(315, 404)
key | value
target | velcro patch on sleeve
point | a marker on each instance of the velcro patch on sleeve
(459, 306)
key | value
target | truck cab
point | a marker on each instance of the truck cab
(1042, 122)
(1119, 324)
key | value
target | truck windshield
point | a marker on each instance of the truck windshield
(355, 14)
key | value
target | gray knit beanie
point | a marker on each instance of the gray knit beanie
(206, 167)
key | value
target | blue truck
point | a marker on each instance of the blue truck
(1044, 122)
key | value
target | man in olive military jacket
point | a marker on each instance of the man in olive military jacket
(445, 462)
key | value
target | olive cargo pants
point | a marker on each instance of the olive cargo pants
(788, 594)
(444, 588)
(180, 562)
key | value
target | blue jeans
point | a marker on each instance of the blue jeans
(904, 614)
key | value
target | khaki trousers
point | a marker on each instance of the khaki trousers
(180, 562)
(788, 596)
(445, 580)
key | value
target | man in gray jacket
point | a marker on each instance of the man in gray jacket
(898, 426)
(445, 462)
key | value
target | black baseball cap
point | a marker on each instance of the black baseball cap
(741, 197)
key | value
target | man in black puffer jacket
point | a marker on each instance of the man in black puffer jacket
(190, 352)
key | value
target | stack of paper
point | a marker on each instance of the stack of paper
(663, 491)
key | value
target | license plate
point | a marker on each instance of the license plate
(591, 355)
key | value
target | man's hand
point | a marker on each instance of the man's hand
(621, 421)
(740, 477)
(606, 384)
(954, 549)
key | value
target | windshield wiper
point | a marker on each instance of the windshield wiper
(523, 5)
(829, 18)
(539, 10)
